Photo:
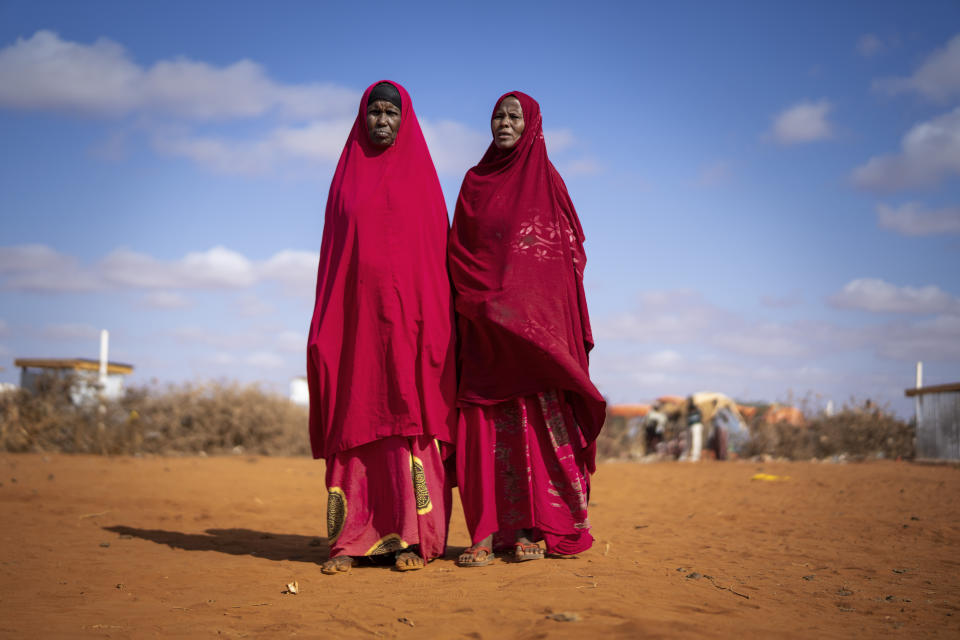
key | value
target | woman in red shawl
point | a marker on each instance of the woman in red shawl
(380, 356)
(529, 414)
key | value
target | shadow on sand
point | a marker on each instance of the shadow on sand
(237, 542)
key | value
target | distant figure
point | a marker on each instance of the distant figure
(694, 444)
(529, 412)
(380, 356)
(654, 429)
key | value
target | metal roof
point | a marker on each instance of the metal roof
(81, 364)
(940, 388)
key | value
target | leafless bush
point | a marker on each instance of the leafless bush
(212, 418)
(854, 431)
(858, 431)
(619, 440)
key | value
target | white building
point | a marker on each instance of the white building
(300, 391)
(87, 386)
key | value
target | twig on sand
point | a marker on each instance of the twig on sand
(255, 604)
(722, 588)
(93, 515)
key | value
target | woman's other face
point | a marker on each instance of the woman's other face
(383, 121)
(507, 123)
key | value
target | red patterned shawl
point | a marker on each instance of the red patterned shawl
(516, 259)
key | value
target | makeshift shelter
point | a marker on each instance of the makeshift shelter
(938, 421)
(87, 385)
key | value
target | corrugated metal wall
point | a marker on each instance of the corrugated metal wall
(938, 425)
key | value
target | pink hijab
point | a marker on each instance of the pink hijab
(516, 259)
(380, 354)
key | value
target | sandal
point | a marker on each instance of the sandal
(524, 552)
(472, 555)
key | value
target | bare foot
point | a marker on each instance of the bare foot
(339, 564)
(408, 561)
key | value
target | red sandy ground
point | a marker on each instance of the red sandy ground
(183, 547)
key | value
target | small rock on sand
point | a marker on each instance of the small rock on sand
(564, 616)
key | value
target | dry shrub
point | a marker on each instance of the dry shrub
(618, 439)
(853, 432)
(190, 418)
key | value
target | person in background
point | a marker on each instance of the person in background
(694, 444)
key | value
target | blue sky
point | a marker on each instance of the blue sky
(770, 192)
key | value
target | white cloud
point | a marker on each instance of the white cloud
(879, 296)
(35, 267)
(934, 339)
(32, 257)
(586, 166)
(558, 140)
(454, 147)
(911, 219)
(786, 340)
(768, 340)
(218, 267)
(250, 305)
(869, 45)
(664, 316)
(295, 270)
(219, 154)
(642, 377)
(201, 336)
(223, 358)
(292, 341)
(265, 360)
(316, 142)
(929, 152)
(165, 300)
(256, 360)
(803, 122)
(754, 359)
(319, 141)
(685, 318)
(937, 79)
(42, 269)
(265, 347)
(48, 73)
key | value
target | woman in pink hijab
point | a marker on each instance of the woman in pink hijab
(529, 414)
(380, 355)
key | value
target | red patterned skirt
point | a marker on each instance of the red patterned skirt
(388, 495)
(521, 464)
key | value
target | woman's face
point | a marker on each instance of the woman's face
(507, 123)
(383, 121)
